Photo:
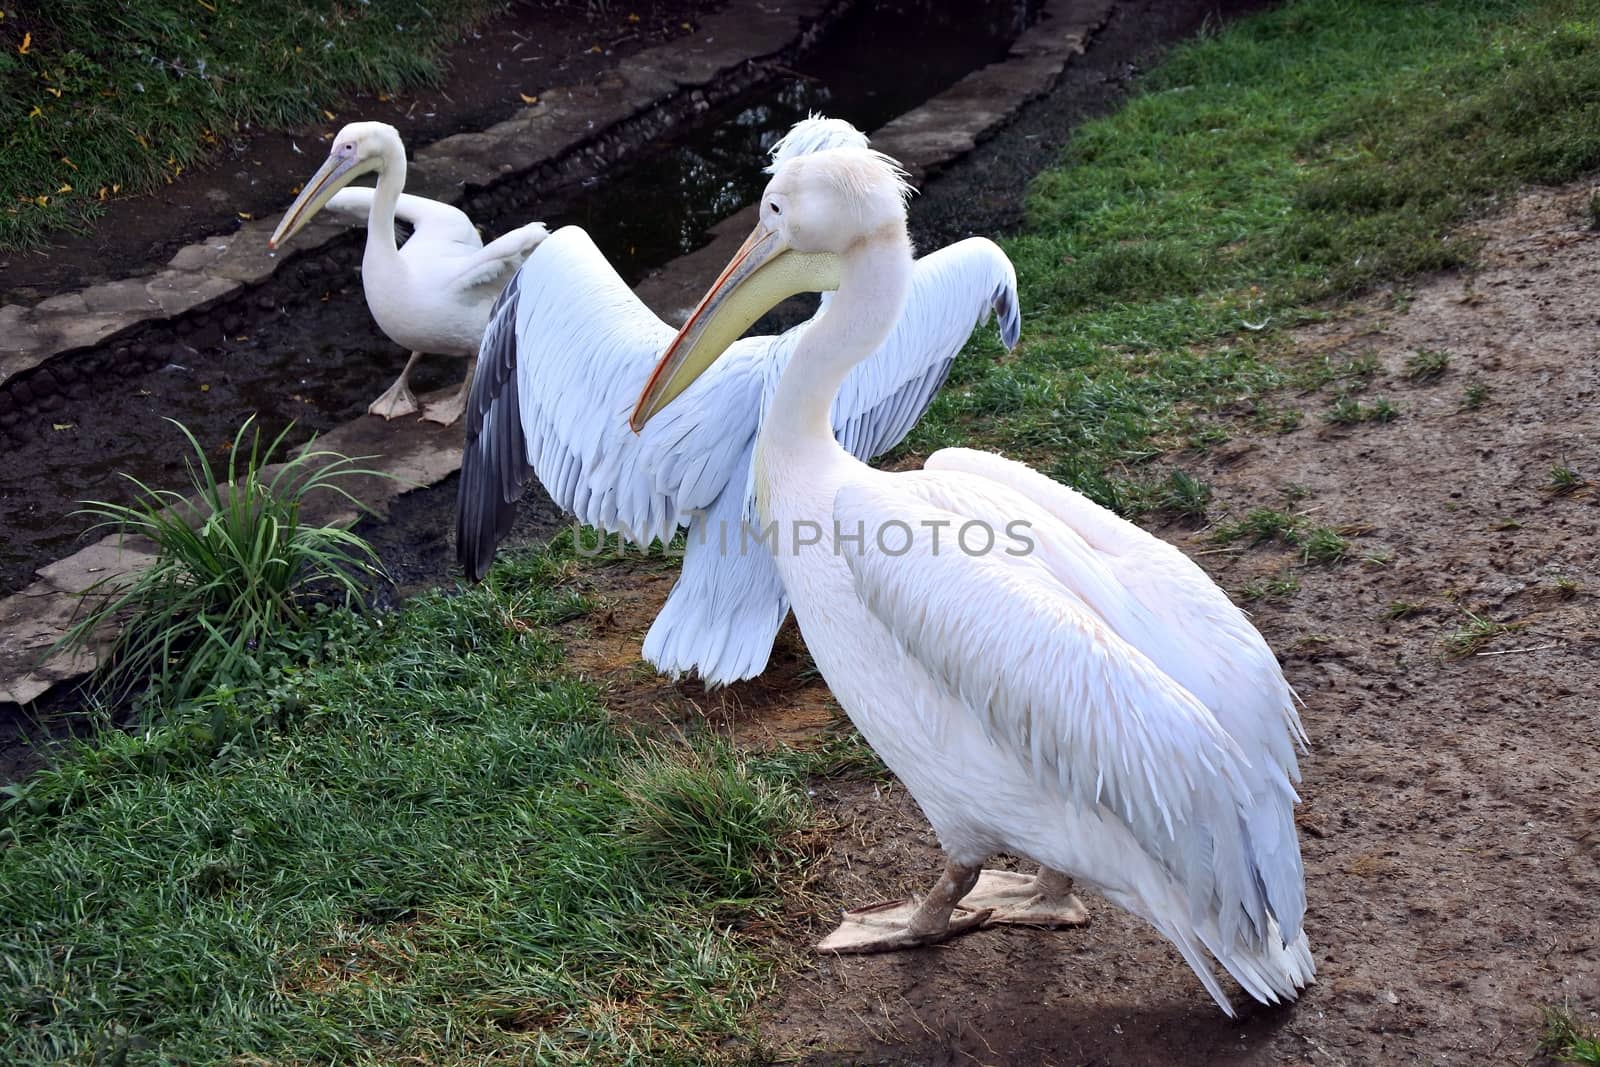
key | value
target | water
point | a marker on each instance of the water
(878, 62)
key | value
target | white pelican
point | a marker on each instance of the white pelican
(1047, 679)
(434, 294)
(568, 349)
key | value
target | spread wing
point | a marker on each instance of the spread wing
(952, 292)
(566, 354)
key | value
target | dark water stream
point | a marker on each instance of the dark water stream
(309, 353)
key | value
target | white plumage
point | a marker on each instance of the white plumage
(433, 294)
(566, 353)
(1048, 680)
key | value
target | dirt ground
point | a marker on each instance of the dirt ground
(1450, 830)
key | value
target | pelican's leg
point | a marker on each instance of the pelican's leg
(397, 399)
(900, 924)
(447, 411)
(1042, 899)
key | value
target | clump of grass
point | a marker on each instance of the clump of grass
(1562, 1039)
(1323, 544)
(1278, 587)
(1402, 609)
(1478, 631)
(1348, 411)
(707, 821)
(1184, 495)
(1564, 587)
(1474, 396)
(1426, 364)
(233, 588)
(1258, 525)
(1563, 480)
(99, 105)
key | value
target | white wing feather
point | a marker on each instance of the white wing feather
(431, 222)
(1196, 635)
(568, 350)
(1050, 654)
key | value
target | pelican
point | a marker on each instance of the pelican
(1047, 679)
(433, 295)
(566, 352)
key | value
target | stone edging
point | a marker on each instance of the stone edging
(420, 453)
(578, 120)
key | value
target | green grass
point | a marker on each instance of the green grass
(1562, 1039)
(1426, 364)
(234, 588)
(429, 845)
(1296, 157)
(99, 100)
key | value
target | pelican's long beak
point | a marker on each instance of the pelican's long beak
(334, 174)
(763, 273)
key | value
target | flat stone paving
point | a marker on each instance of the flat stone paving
(419, 453)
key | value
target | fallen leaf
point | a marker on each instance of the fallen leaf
(27, 43)
(65, 188)
(144, 392)
(327, 114)
(246, 215)
(53, 92)
(526, 99)
(42, 201)
(205, 388)
(69, 162)
(36, 112)
(207, 6)
(596, 49)
(59, 426)
(632, 17)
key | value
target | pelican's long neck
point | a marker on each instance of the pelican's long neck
(385, 199)
(874, 277)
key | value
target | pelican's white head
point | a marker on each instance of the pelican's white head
(814, 133)
(819, 210)
(360, 148)
(827, 201)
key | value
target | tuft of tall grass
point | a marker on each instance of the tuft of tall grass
(237, 572)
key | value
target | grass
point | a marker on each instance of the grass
(1279, 587)
(99, 101)
(1427, 364)
(1296, 157)
(1561, 1038)
(1563, 479)
(1475, 633)
(232, 590)
(429, 847)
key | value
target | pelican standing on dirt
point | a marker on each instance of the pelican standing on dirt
(1048, 680)
(564, 357)
(433, 295)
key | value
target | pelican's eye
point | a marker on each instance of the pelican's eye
(773, 206)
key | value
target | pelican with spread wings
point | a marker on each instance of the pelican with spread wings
(568, 349)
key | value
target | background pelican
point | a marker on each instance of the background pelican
(433, 295)
(1055, 683)
(565, 355)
